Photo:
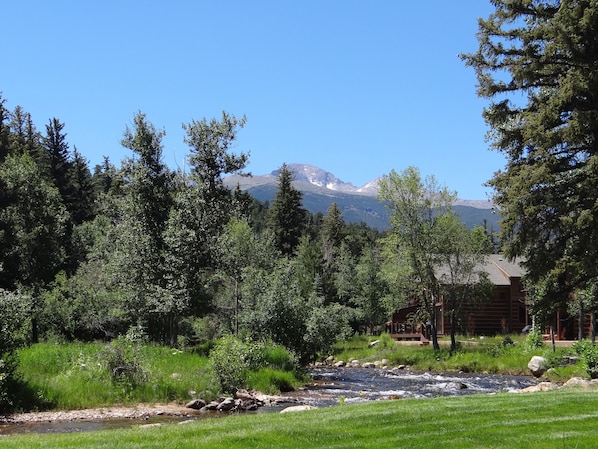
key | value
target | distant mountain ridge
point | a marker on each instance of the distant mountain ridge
(321, 188)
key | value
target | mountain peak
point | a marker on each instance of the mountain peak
(317, 177)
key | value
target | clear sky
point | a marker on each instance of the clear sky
(357, 88)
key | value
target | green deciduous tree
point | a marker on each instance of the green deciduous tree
(13, 319)
(417, 208)
(202, 208)
(465, 285)
(537, 62)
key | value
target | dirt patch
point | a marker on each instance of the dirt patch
(140, 411)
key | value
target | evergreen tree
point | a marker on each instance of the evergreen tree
(538, 62)
(145, 211)
(4, 129)
(24, 138)
(333, 226)
(106, 180)
(57, 150)
(287, 217)
(32, 227)
(83, 190)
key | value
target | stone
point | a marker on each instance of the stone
(210, 407)
(297, 408)
(542, 386)
(577, 382)
(368, 365)
(537, 365)
(339, 364)
(227, 405)
(196, 404)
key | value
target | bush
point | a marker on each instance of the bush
(12, 321)
(234, 361)
(588, 351)
(230, 360)
(123, 360)
(533, 341)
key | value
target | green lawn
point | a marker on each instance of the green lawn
(557, 419)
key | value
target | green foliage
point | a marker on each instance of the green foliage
(533, 340)
(536, 65)
(431, 244)
(75, 375)
(231, 360)
(243, 363)
(589, 354)
(287, 217)
(271, 381)
(124, 362)
(33, 220)
(12, 335)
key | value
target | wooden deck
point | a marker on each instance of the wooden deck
(415, 336)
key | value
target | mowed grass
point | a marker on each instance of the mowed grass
(556, 419)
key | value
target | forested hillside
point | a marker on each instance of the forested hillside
(93, 253)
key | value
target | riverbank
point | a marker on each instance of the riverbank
(139, 411)
(561, 418)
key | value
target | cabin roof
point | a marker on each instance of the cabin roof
(501, 270)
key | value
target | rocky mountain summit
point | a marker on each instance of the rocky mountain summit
(321, 188)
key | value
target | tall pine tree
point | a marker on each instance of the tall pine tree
(537, 64)
(287, 216)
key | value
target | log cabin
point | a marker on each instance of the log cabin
(506, 312)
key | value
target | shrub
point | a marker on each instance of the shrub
(230, 361)
(235, 363)
(588, 351)
(533, 341)
(123, 360)
(12, 320)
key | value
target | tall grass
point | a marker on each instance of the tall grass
(86, 375)
(493, 355)
(72, 376)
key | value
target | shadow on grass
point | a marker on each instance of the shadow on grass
(22, 398)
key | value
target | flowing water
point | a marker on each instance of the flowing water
(329, 387)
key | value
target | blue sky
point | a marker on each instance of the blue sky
(357, 88)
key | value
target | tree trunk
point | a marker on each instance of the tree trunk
(581, 329)
(433, 331)
(453, 332)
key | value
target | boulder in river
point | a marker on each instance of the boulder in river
(196, 404)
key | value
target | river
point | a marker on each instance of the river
(328, 387)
